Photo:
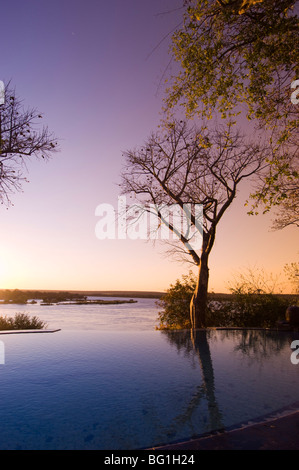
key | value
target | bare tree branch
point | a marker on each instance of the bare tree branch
(191, 167)
(20, 138)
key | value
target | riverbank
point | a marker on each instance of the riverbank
(120, 293)
(17, 296)
(94, 302)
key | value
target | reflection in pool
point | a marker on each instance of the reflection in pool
(138, 389)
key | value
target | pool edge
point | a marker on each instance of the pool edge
(267, 432)
(14, 332)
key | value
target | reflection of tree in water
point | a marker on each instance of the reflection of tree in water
(194, 343)
(255, 345)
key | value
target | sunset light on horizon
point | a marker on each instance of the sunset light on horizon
(96, 72)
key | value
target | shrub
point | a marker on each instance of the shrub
(292, 272)
(251, 303)
(21, 321)
(262, 310)
(175, 304)
(254, 302)
(248, 310)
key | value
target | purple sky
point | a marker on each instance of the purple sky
(94, 69)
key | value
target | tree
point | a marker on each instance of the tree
(242, 55)
(192, 167)
(20, 138)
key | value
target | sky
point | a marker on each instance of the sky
(95, 69)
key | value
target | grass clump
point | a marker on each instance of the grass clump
(21, 321)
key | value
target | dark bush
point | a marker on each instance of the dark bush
(244, 307)
(21, 321)
(175, 304)
(248, 310)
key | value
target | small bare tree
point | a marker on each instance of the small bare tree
(190, 167)
(20, 138)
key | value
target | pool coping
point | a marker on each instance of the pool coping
(277, 430)
(14, 332)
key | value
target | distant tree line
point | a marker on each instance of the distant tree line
(17, 296)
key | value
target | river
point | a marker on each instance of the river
(141, 315)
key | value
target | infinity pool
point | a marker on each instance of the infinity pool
(138, 389)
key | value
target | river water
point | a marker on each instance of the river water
(141, 315)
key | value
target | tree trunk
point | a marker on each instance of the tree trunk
(198, 305)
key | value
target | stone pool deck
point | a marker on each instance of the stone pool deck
(281, 433)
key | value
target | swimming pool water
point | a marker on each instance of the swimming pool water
(101, 389)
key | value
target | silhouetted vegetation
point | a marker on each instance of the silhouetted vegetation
(244, 307)
(21, 297)
(176, 304)
(21, 321)
(17, 296)
(248, 310)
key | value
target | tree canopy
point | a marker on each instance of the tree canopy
(21, 137)
(236, 52)
(241, 57)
